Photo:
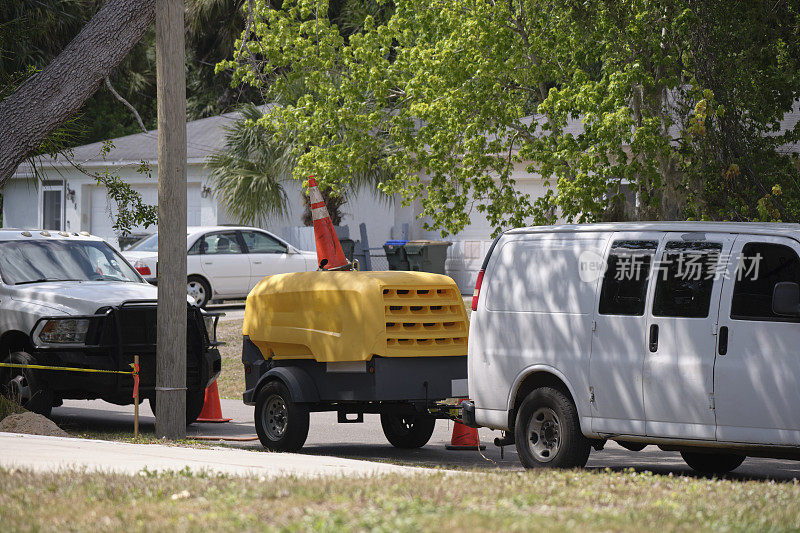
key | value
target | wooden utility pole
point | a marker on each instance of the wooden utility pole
(171, 347)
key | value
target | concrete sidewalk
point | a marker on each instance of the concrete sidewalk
(49, 454)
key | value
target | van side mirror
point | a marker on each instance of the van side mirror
(786, 299)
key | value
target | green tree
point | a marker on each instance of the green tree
(460, 90)
(249, 174)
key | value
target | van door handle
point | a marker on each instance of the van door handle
(654, 337)
(722, 346)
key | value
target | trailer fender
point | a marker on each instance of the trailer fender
(297, 380)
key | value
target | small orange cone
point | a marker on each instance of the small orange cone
(328, 245)
(212, 410)
(464, 438)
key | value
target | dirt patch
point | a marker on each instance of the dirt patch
(31, 424)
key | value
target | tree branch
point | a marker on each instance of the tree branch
(126, 103)
(46, 100)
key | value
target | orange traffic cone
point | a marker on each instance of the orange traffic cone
(212, 410)
(464, 438)
(328, 245)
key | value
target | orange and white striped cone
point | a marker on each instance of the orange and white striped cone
(464, 437)
(328, 245)
(212, 408)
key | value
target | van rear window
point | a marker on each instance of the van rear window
(625, 281)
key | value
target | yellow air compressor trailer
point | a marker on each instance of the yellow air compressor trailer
(392, 343)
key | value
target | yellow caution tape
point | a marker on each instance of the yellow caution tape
(69, 369)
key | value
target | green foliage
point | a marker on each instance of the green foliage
(248, 174)
(461, 91)
(129, 210)
(33, 32)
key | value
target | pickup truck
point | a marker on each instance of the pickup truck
(70, 300)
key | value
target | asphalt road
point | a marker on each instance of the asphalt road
(366, 441)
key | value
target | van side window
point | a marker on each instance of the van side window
(761, 266)
(625, 281)
(685, 278)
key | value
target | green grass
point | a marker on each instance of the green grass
(231, 378)
(543, 500)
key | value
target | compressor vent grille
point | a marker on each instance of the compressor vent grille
(425, 321)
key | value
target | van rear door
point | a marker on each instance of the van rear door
(678, 374)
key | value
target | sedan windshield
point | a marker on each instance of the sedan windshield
(148, 244)
(37, 261)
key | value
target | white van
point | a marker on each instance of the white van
(684, 335)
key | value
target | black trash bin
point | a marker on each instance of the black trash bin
(348, 247)
(396, 255)
(427, 256)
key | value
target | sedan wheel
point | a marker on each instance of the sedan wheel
(199, 290)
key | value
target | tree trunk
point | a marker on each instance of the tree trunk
(46, 100)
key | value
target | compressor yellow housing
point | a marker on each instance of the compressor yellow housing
(354, 316)
(392, 343)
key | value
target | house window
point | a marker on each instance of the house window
(52, 205)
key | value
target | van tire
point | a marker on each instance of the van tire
(281, 424)
(548, 431)
(407, 431)
(25, 386)
(712, 463)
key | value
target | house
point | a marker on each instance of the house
(64, 197)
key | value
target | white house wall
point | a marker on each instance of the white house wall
(18, 198)
(87, 207)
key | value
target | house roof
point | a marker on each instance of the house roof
(203, 137)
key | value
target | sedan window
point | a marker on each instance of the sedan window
(261, 243)
(220, 243)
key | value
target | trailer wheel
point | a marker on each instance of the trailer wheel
(712, 463)
(407, 431)
(25, 386)
(281, 424)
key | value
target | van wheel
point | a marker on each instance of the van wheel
(24, 386)
(281, 424)
(194, 405)
(407, 431)
(713, 463)
(548, 433)
(199, 289)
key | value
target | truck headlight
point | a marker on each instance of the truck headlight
(64, 331)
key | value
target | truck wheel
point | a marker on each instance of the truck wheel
(25, 386)
(548, 433)
(713, 463)
(407, 431)
(199, 289)
(281, 424)
(194, 405)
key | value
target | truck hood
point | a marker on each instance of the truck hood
(83, 297)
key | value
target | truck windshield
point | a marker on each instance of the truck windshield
(38, 261)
